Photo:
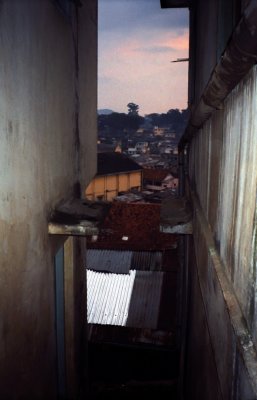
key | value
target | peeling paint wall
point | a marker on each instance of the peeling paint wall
(37, 153)
(223, 175)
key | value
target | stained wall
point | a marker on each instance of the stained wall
(39, 166)
(223, 187)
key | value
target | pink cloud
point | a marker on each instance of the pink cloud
(138, 72)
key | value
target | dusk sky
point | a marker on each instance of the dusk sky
(137, 40)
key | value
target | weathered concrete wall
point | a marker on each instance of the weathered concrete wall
(75, 315)
(87, 46)
(223, 161)
(223, 180)
(211, 25)
(202, 381)
(37, 170)
(205, 55)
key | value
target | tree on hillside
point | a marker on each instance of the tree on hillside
(174, 118)
(132, 109)
(118, 123)
(134, 120)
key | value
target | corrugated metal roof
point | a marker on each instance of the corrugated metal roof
(124, 300)
(145, 300)
(109, 260)
(115, 163)
(121, 262)
(109, 297)
(146, 260)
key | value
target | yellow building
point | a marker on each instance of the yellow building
(116, 173)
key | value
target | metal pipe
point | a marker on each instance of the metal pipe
(238, 58)
(181, 157)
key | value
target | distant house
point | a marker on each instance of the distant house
(108, 148)
(116, 173)
(158, 131)
(174, 158)
(141, 147)
(159, 179)
(132, 151)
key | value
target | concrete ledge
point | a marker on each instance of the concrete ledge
(77, 217)
(176, 216)
(81, 229)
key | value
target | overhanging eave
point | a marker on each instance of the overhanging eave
(175, 3)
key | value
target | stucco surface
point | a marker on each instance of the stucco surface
(37, 170)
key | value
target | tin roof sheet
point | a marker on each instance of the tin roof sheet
(145, 300)
(109, 297)
(131, 300)
(146, 260)
(121, 262)
(109, 260)
(115, 163)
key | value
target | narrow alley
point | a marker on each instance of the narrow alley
(177, 317)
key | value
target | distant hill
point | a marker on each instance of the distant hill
(104, 111)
